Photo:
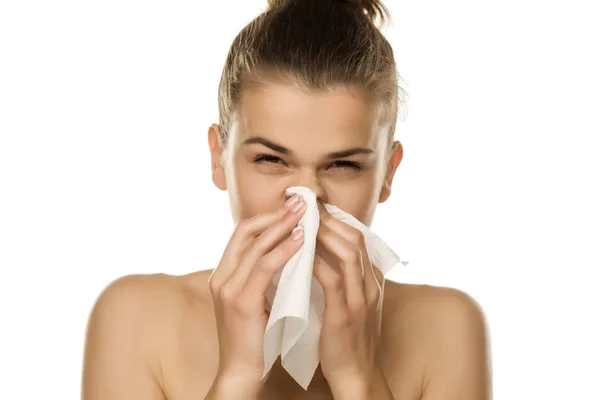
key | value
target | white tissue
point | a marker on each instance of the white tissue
(296, 297)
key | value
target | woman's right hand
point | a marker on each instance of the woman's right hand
(258, 248)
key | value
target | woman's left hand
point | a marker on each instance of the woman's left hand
(350, 334)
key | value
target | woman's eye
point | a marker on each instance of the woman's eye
(347, 164)
(271, 159)
(266, 157)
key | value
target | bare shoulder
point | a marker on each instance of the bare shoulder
(130, 328)
(449, 329)
(437, 304)
(143, 300)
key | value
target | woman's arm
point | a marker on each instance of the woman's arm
(118, 362)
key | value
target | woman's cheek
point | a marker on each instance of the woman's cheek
(264, 177)
(259, 192)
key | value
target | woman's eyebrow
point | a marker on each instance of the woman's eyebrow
(283, 150)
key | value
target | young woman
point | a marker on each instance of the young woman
(308, 97)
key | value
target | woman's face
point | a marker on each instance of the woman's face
(282, 137)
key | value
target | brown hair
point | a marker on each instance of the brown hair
(316, 45)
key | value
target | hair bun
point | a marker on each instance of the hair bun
(373, 8)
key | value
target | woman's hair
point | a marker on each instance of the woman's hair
(316, 45)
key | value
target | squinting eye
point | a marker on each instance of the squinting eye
(271, 159)
(348, 164)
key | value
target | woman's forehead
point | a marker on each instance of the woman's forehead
(289, 114)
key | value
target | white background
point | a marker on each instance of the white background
(105, 171)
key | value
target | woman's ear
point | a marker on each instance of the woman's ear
(216, 157)
(393, 162)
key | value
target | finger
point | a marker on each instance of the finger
(244, 234)
(375, 298)
(351, 263)
(372, 288)
(262, 245)
(356, 239)
(350, 233)
(332, 283)
(265, 269)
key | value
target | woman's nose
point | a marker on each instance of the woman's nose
(311, 181)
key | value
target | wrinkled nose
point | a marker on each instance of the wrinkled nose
(311, 181)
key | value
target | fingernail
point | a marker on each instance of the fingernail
(298, 206)
(297, 233)
(291, 201)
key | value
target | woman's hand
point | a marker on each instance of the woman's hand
(258, 248)
(350, 335)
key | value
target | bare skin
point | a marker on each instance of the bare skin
(156, 336)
